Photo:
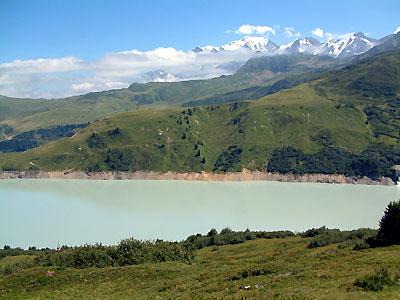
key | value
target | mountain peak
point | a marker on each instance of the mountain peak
(253, 43)
(360, 35)
(348, 45)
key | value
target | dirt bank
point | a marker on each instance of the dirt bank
(245, 175)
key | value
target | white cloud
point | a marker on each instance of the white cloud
(31, 66)
(289, 32)
(318, 32)
(329, 35)
(397, 30)
(344, 36)
(250, 29)
(82, 86)
(86, 87)
(61, 77)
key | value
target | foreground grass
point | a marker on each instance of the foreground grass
(280, 268)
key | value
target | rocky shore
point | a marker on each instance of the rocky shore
(245, 175)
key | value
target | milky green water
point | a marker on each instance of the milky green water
(47, 213)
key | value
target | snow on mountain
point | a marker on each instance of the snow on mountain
(226, 59)
(252, 43)
(307, 46)
(349, 45)
(255, 44)
(354, 44)
(158, 76)
(207, 49)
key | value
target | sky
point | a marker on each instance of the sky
(54, 48)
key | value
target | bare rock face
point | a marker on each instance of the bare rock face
(244, 175)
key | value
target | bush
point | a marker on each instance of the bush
(389, 225)
(229, 237)
(323, 237)
(375, 282)
(127, 252)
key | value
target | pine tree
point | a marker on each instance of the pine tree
(389, 225)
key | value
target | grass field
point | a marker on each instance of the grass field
(272, 269)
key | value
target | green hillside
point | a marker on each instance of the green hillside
(258, 74)
(257, 269)
(214, 138)
(345, 122)
(373, 84)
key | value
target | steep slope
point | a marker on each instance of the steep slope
(374, 85)
(371, 79)
(388, 43)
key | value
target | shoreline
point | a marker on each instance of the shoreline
(244, 175)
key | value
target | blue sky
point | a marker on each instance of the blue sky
(88, 30)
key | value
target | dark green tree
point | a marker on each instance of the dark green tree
(226, 230)
(212, 232)
(389, 225)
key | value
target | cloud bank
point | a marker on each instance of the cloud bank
(67, 76)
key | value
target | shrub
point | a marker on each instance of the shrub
(127, 252)
(375, 282)
(323, 237)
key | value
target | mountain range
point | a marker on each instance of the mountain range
(250, 46)
(354, 44)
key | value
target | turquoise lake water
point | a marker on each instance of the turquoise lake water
(47, 213)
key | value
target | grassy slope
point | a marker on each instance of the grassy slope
(372, 84)
(152, 140)
(293, 272)
(27, 114)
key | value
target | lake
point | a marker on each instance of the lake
(47, 213)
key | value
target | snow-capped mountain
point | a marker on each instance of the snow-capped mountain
(307, 45)
(355, 44)
(256, 44)
(252, 43)
(350, 45)
(227, 59)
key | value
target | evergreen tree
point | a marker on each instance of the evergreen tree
(389, 225)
